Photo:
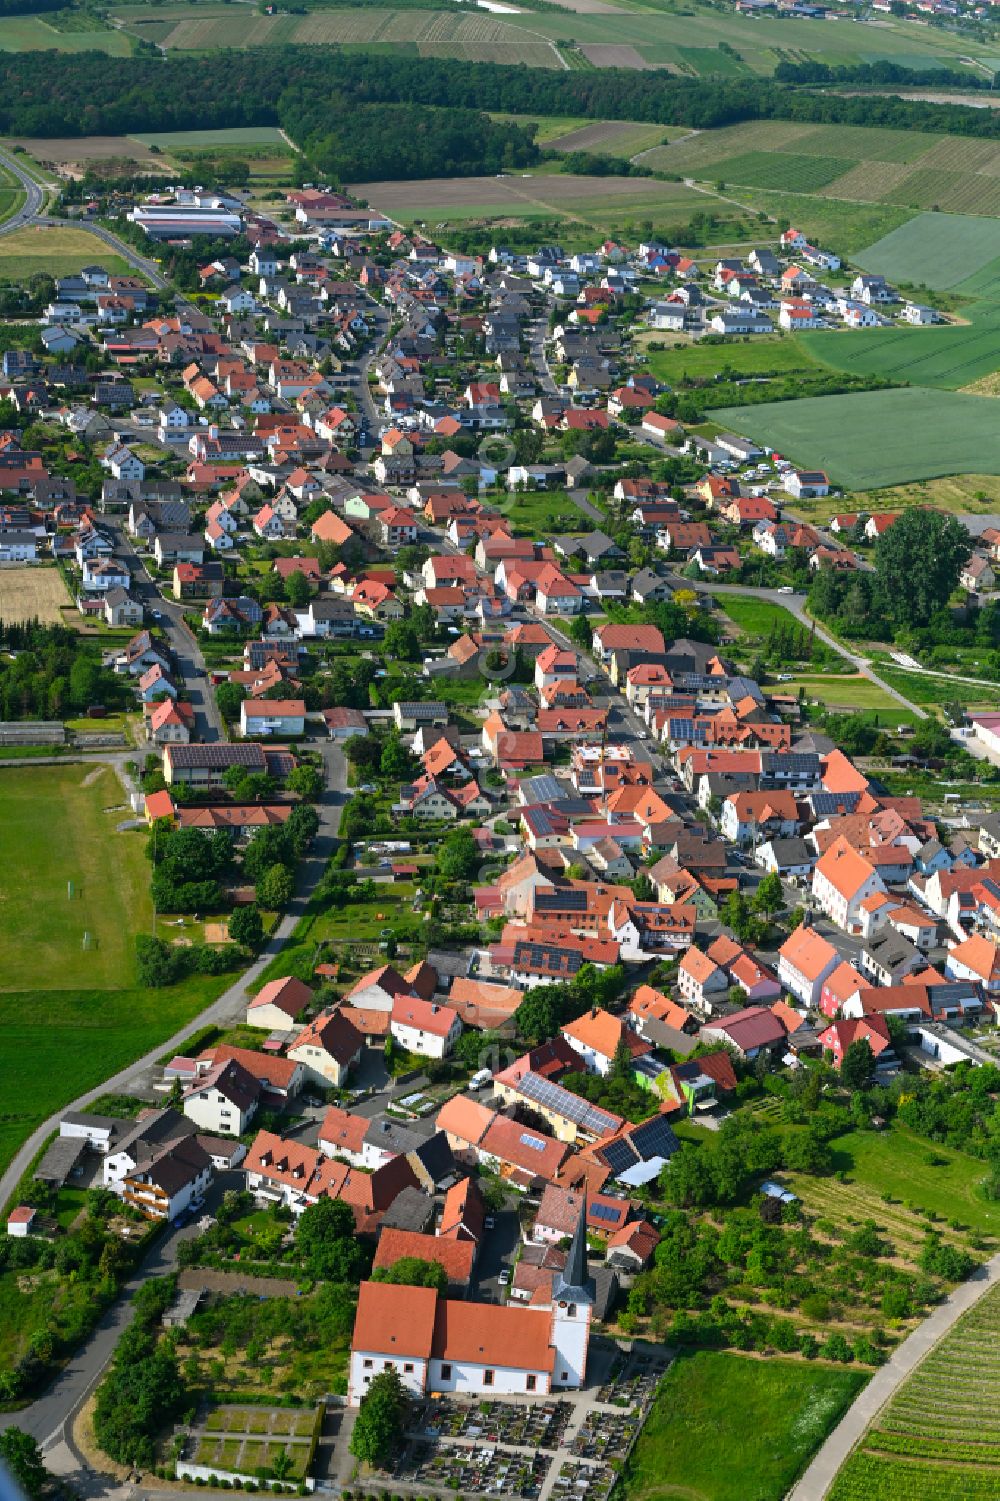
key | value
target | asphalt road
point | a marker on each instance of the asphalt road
(795, 605)
(34, 197)
(191, 664)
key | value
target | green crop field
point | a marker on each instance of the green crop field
(874, 438)
(34, 34)
(949, 357)
(727, 1428)
(935, 250)
(897, 1163)
(249, 135)
(939, 1437)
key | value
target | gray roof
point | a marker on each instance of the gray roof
(410, 1210)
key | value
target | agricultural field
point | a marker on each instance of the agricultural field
(37, 34)
(611, 137)
(875, 438)
(209, 140)
(32, 593)
(935, 250)
(728, 1428)
(939, 1436)
(951, 357)
(69, 157)
(475, 37)
(911, 169)
(56, 252)
(597, 201)
(591, 32)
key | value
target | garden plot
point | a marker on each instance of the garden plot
(252, 1440)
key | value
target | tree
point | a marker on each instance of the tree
(307, 781)
(581, 632)
(298, 590)
(275, 888)
(327, 1239)
(23, 1458)
(364, 752)
(414, 1271)
(769, 897)
(381, 1416)
(246, 928)
(917, 563)
(857, 1065)
(229, 697)
(457, 855)
(401, 642)
(395, 761)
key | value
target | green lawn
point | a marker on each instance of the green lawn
(73, 1016)
(848, 693)
(875, 438)
(896, 1162)
(752, 356)
(921, 688)
(728, 1428)
(539, 513)
(55, 251)
(757, 618)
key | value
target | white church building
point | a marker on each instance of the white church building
(445, 1345)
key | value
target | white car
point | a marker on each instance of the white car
(504, 1277)
(786, 589)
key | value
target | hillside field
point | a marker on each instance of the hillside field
(56, 251)
(874, 438)
(939, 1437)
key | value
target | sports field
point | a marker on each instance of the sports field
(939, 1437)
(728, 1428)
(876, 438)
(33, 593)
(56, 830)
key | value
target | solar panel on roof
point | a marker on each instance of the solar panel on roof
(544, 1092)
(605, 1212)
(654, 1138)
(534, 1142)
(619, 1156)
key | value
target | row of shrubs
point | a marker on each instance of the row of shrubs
(219, 1483)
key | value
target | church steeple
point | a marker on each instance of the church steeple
(574, 1283)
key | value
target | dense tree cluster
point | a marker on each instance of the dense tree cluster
(52, 671)
(335, 103)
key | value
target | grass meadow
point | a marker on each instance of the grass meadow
(57, 252)
(729, 1428)
(72, 1017)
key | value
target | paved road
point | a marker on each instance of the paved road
(34, 197)
(191, 665)
(232, 1002)
(819, 1477)
(795, 605)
